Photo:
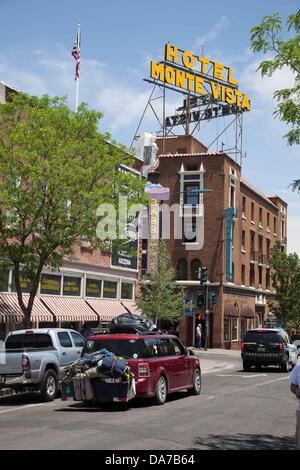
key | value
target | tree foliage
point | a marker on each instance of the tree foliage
(286, 281)
(161, 298)
(266, 38)
(55, 170)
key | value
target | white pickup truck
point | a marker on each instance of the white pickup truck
(35, 360)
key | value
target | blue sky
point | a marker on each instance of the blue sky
(118, 41)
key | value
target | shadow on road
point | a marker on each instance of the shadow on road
(245, 442)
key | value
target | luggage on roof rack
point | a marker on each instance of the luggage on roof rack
(132, 323)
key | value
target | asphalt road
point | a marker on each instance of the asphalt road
(236, 410)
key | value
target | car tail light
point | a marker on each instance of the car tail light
(143, 370)
(281, 347)
(28, 332)
(25, 362)
(242, 346)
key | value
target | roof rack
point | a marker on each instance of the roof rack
(142, 333)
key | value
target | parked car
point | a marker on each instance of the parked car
(36, 359)
(268, 346)
(296, 341)
(159, 362)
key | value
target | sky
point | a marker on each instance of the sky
(118, 40)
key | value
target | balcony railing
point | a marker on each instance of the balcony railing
(261, 258)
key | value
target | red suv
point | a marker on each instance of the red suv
(159, 362)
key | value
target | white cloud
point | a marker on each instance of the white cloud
(212, 34)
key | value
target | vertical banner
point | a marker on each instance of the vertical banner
(156, 193)
(229, 214)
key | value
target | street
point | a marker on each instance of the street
(235, 410)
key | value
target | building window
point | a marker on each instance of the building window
(232, 188)
(4, 280)
(260, 217)
(191, 194)
(243, 327)
(243, 275)
(275, 225)
(244, 207)
(268, 279)
(182, 270)
(232, 280)
(195, 266)
(268, 252)
(110, 290)
(71, 286)
(127, 290)
(252, 276)
(25, 283)
(50, 284)
(243, 240)
(268, 221)
(234, 329)
(226, 329)
(260, 277)
(252, 212)
(93, 288)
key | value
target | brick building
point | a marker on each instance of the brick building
(90, 286)
(241, 225)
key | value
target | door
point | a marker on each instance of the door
(79, 343)
(182, 364)
(67, 350)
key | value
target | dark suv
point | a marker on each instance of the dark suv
(265, 347)
(159, 362)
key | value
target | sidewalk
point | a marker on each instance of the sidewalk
(219, 359)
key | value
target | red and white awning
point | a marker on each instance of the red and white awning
(106, 309)
(10, 310)
(132, 307)
(68, 309)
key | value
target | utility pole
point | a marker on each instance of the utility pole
(206, 315)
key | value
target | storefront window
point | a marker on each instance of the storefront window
(243, 327)
(93, 288)
(226, 330)
(127, 290)
(25, 282)
(234, 329)
(72, 286)
(4, 280)
(50, 284)
(110, 290)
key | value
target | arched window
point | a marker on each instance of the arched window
(195, 266)
(182, 270)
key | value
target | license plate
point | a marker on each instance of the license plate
(2, 379)
(261, 349)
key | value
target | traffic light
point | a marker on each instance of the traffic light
(203, 275)
(200, 299)
(213, 298)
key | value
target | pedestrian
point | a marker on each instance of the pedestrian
(86, 331)
(198, 335)
(295, 389)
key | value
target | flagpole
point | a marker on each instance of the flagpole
(77, 78)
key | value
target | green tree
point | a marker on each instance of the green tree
(55, 170)
(267, 38)
(161, 298)
(286, 281)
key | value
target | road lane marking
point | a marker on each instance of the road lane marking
(25, 406)
(244, 376)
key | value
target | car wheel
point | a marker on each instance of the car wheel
(160, 391)
(49, 386)
(246, 366)
(285, 366)
(196, 388)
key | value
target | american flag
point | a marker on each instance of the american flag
(76, 54)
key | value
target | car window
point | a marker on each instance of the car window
(64, 339)
(127, 348)
(14, 342)
(266, 336)
(179, 349)
(165, 347)
(78, 340)
(42, 341)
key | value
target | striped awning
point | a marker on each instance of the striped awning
(131, 306)
(106, 309)
(10, 310)
(67, 309)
